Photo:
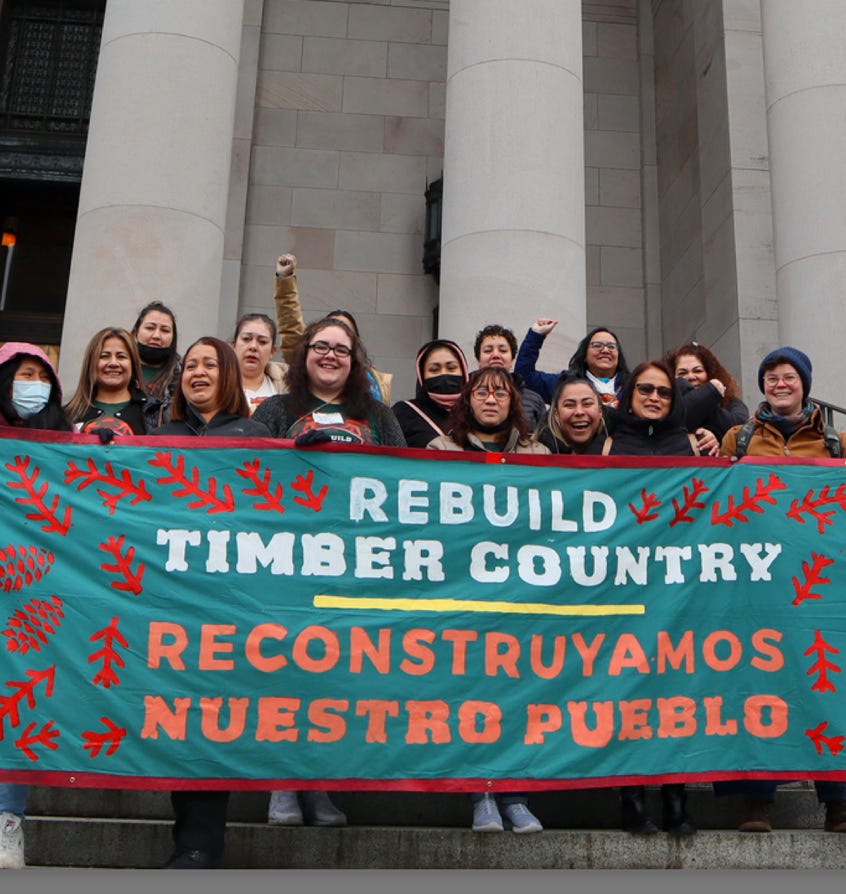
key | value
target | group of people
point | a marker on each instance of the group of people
(325, 389)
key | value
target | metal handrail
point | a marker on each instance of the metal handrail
(828, 410)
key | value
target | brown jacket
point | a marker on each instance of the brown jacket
(807, 441)
(514, 444)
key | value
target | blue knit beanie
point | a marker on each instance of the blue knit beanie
(796, 358)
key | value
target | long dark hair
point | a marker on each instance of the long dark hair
(230, 392)
(550, 422)
(461, 419)
(52, 417)
(710, 364)
(578, 362)
(357, 397)
(167, 372)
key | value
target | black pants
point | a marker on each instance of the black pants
(200, 821)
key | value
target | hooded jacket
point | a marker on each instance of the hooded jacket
(223, 425)
(422, 419)
(632, 436)
(52, 417)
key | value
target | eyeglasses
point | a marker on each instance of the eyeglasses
(484, 394)
(608, 345)
(788, 379)
(323, 347)
(646, 388)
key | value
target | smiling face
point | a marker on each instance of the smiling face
(441, 362)
(156, 330)
(114, 367)
(253, 347)
(602, 354)
(494, 351)
(652, 404)
(579, 413)
(783, 389)
(328, 373)
(200, 377)
(690, 367)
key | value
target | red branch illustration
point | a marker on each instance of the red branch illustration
(822, 665)
(645, 513)
(125, 487)
(108, 656)
(833, 743)
(812, 578)
(123, 566)
(36, 497)
(21, 565)
(811, 506)
(191, 487)
(262, 487)
(749, 503)
(29, 626)
(304, 486)
(10, 704)
(691, 501)
(94, 742)
(45, 736)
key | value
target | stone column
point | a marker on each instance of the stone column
(155, 182)
(805, 71)
(513, 237)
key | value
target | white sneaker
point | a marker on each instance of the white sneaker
(522, 819)
(11, 842)
(486, 816)
(284, 809)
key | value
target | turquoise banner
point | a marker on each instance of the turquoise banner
(222, 613)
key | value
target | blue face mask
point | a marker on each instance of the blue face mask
(29, 398)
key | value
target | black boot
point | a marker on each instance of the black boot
(676, 820)
(633, 815)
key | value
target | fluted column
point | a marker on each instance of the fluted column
(805, 70)
(156, 176)
(513, 235)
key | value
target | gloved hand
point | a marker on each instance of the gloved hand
(312, 437)
(106, 435)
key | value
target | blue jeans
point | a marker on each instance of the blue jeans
(13, 798)
(765, 789)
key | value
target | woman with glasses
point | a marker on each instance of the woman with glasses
(786, 423)
(329, 396)
(489, 416)
(598, 358)
(329, 399)
(649, 422)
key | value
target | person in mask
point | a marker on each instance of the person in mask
(441, 374)
(155, 337)
(30, 394)
(30, 397)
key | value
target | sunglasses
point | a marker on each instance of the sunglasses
(646, 388)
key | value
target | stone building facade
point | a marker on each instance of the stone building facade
(671, 169)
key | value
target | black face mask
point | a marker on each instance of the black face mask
(483, 429)
(443, 384)
(152, 355)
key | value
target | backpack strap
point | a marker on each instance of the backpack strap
(832, 441)
(743, 437)
(427, 418)
(606, 447)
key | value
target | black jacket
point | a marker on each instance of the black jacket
(633, 436)
(223, 425)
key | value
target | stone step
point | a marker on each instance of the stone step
(413, 830)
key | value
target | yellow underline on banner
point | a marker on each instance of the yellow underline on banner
(361, 603)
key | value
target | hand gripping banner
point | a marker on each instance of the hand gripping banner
(219, 613)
